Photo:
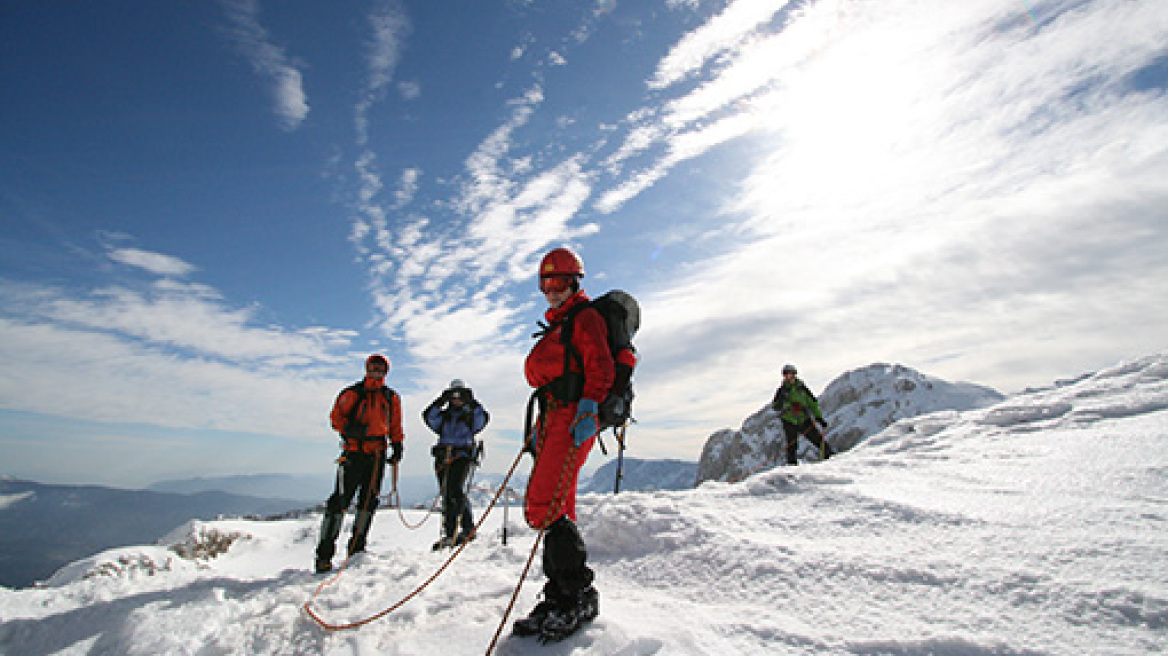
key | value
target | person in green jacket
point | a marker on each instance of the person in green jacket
(799, 410)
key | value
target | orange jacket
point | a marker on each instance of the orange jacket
(375, 413)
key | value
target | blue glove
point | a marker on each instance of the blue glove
(584, 425)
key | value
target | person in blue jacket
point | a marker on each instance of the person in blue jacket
(456, 416)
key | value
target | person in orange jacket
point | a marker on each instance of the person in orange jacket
(367, 414)
(569, 390)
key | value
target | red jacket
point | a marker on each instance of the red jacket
(545, 363)
(381, 420)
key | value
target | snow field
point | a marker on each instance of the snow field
(1036, 526)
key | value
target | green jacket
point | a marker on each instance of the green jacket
(795, 403)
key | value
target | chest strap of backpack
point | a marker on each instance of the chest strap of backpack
(568, 387)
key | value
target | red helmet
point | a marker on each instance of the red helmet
(377, 358)
(561, 262)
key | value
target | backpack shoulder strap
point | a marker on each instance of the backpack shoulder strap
(390, 396)
(566, 326)
(357, 388)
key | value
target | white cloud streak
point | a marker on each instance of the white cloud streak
(269, 61)
(157, 263)
(389, 27)
(172, 355)
(724, 33)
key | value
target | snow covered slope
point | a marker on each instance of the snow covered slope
(857, 404)
(1036, 526)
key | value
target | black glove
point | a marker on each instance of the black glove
(395, 454)
(822, 422)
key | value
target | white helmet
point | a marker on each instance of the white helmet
(457, 384)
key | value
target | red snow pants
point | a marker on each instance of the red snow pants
(551, 491)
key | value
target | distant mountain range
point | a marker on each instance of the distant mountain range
(308, 489)
(301, 487)
(642, 476)
(43, 527)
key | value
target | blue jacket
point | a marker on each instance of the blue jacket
(456, 427)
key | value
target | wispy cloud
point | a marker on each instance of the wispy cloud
(157, 263)
(110, 378)
(269, 61)
(725, 33)
(164, 352)
(388, 28)
(505, 220)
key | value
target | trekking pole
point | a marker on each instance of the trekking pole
(823, 443)
(620, 458)
(506, 503)
(394, 496)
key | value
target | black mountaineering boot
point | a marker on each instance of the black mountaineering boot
(533, 623)
(589, 603)
(570, 615)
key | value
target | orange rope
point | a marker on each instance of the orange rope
(394, 499)
(352, 625)
(557, 498)
(515, 594)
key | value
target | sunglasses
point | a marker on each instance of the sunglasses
(554, 284)
(376, 371)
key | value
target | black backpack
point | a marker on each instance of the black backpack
(622, 315)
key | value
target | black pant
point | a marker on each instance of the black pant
(357, 472)
(455, 505)
(813, 434)
(565, 561)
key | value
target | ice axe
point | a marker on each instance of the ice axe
(620, 458)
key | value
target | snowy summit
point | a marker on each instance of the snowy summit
(1036, 525)
(857, 405)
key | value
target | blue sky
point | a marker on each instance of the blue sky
(212, 211)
